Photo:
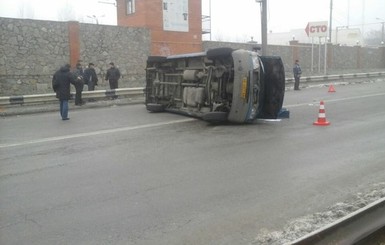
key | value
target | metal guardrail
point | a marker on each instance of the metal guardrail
(350, 229)
(336, 77)
(42, 98)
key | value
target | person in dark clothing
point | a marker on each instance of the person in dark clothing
(297, 74)
(61, 85)
(90, 77)
(79, 75)
(113, 75)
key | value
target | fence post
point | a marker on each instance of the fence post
(294, 50)
(330, 57)
(74, 42)
(358, 56)
(382, 51)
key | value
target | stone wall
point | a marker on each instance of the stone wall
(340, 58)
(32, 50)
(127, 47)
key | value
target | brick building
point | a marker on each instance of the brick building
(175, 25)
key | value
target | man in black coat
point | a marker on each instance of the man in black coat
(90, 77)
(79, 74)
(297, 74)
(113, 75)
(61, 85)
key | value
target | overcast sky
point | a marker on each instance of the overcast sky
(231, 20)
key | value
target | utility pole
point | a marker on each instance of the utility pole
(210, 17)
(348, 23)
(330, 21)
(263, 25)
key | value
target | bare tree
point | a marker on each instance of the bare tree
(26, 10)
(66, 12)
(219, 37)
(373, 38)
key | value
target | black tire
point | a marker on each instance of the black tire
(261, 93)
(156, 59)
(215, 117)
(274, 86)
(155, 107)
(219, 53)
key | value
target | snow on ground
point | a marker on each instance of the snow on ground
(300, 227)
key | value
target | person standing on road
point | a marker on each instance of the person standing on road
(61, 82)
(113, 75)
(90, 77)
(79, 75)
(297, 74)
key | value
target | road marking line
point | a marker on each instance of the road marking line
(100, 132)
(107, 131)
(336, 100)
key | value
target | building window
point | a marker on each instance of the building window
(130, 6)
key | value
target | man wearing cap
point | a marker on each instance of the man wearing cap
(113, 75)
(79, 74)
(297, 74)
(90, 77)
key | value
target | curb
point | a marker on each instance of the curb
(17, 110)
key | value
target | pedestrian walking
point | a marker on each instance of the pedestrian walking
(90, 77)
(297, 74)
(61, 81)
(79, 75)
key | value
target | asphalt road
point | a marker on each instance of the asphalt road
(121, 175)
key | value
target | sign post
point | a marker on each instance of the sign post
(318, 29)
(312, 54)
(319, 54)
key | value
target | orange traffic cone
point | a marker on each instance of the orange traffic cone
(321, 116)
(331, 89)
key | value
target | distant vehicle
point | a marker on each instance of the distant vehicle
(220, 85)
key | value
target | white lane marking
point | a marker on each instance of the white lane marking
(107, 131)
(100, 132)
(335, 100)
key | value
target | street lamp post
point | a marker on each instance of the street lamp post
(96, 18)
(111, 3)
(382, 41)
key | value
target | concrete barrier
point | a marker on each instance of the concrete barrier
(128, 92)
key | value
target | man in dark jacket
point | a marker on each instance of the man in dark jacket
(297, 74)
(90, 77)
(79, 75)
(113, 75)
(61, 85)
